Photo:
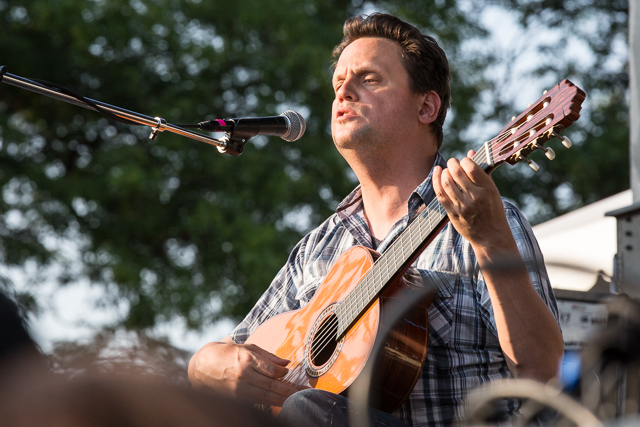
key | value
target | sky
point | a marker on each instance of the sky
(74, 312)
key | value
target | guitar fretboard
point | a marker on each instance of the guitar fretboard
(397, 258)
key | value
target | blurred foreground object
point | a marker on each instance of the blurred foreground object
(116, 400)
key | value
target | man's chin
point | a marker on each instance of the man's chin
(352, 139)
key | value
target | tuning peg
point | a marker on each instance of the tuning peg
(548, 151)
(533, 165)
(565, 140)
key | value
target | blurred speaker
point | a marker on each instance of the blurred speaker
(610, 373)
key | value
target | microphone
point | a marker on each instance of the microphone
(289, 126)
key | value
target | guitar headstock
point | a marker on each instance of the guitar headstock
(555, 111)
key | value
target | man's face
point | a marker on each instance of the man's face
(373, 102)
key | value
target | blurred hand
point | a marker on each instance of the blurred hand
(244, 371)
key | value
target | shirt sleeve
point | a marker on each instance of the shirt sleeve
(296, 283)
(278, 298)
(534, 261)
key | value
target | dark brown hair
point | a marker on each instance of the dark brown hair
(422, 57)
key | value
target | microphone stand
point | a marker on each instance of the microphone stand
(226, 145)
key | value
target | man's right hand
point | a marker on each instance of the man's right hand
(242, 370)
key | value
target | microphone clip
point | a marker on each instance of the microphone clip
(232, 145)
(235, 136)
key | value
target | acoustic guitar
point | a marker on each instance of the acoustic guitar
(330, 340)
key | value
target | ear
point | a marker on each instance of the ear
(429, 108)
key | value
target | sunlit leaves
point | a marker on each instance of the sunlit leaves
(172, 228)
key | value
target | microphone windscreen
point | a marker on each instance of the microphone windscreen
(297, 126)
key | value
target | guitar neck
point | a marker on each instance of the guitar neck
(400, 255)
(556, 110)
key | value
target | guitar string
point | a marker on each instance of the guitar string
(390, 259)
(297, 373)
(479, 158)
(534, 127)
(326, 337)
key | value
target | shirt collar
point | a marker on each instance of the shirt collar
(351, 209)
(424, 193)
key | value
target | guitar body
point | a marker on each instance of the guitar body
(330, 340)
(306, 337)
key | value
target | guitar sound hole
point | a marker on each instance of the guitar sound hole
(324, 341)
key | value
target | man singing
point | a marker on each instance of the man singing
(487, 322)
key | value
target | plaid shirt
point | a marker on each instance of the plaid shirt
(463, 350)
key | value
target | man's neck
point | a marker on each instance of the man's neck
(386, 190)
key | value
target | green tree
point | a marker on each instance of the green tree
(173, 228)
(589, 45)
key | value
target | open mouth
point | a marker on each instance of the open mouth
(343, 113)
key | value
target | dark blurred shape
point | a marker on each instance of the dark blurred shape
(479, 405)
(32, 395)
(133, 352)
(13, 328)
(16, 343)
(116, 400)
(610, 371)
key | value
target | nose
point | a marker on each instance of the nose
(347, 91)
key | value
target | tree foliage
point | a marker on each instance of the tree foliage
(589, 46)
(173, 228)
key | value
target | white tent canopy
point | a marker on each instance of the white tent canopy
(584, 239)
